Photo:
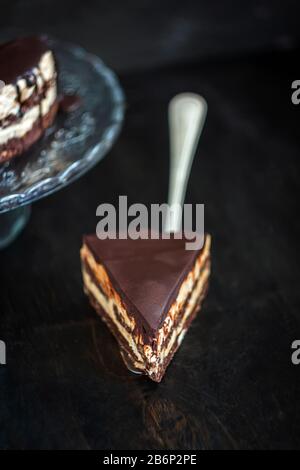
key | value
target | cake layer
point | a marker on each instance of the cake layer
(19, 108)
(18, 145)
(149, 353)
(22, 126)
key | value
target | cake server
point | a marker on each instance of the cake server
(187, 114)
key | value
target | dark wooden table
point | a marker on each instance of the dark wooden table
(232, 385)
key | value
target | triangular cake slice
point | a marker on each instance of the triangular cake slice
(148, 292)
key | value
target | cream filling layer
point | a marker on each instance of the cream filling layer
(108, 306)
(29, 119)
(8, 101)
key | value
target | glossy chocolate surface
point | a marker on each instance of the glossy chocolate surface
(20, 56)
(146, 273)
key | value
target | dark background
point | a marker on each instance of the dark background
(232, 384)
(135, 34)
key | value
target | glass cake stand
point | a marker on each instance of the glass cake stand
(75, 143)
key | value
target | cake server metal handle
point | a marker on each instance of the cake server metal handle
(187, 113)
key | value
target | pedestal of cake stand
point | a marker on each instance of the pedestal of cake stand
(12, 224)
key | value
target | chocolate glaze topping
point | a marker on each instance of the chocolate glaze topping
(19, 57)
(147, 274)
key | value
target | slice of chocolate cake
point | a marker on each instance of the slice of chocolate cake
(28, 94)
(147, 292)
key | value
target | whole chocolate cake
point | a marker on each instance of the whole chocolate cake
(28, 94)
